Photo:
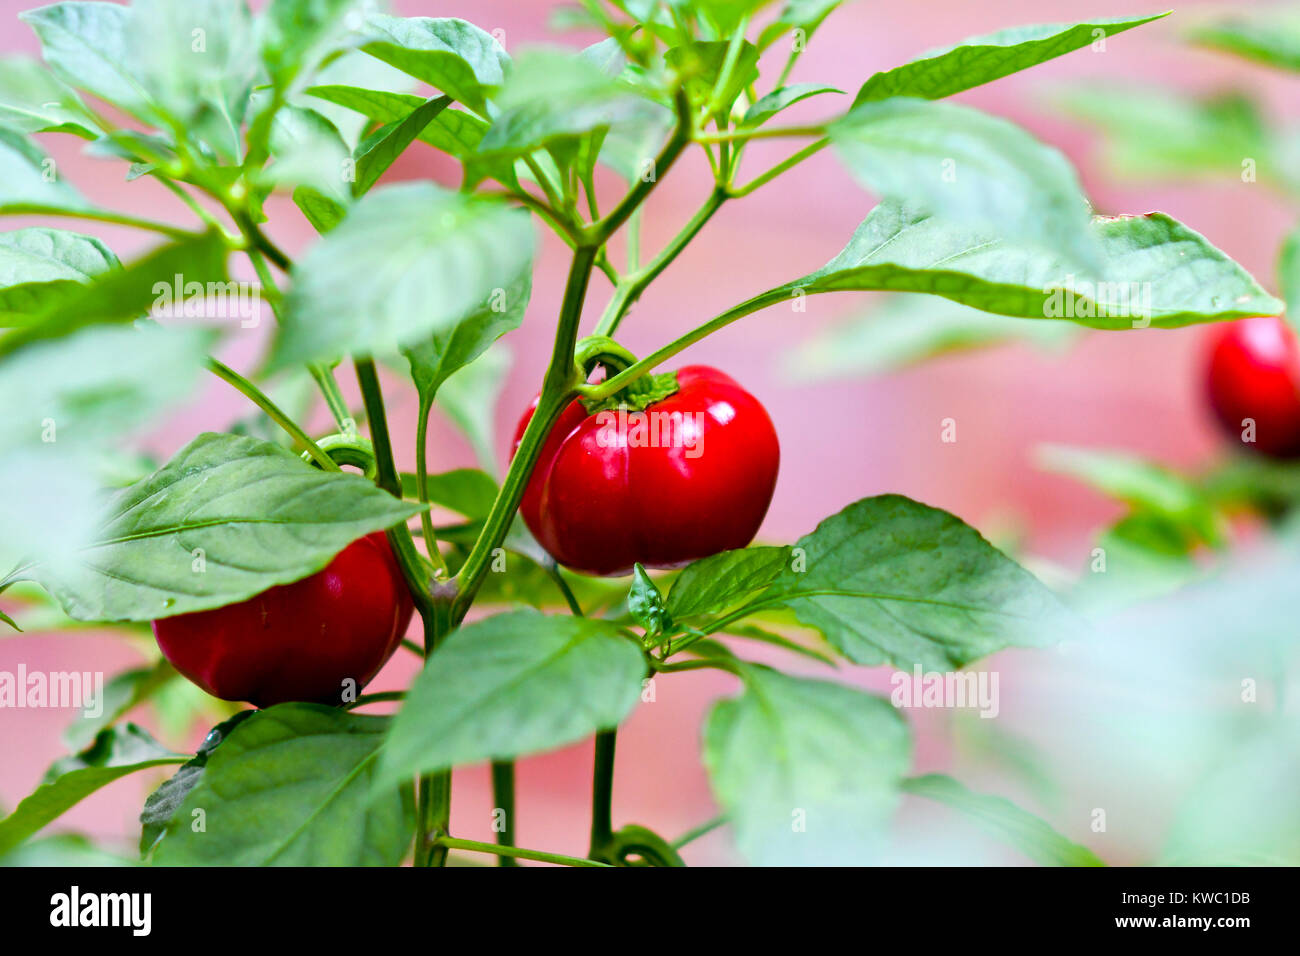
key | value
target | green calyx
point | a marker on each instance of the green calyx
(639, 394)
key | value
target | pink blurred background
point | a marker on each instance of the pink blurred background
(841, 441)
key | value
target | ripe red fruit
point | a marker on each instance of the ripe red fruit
(604, 495)
(1254, 373)
(298, 641)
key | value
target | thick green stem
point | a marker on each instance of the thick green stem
(273, 412)
(454, 843)
(630, 289)
(503, 797)
(558, 388)
(602, 790)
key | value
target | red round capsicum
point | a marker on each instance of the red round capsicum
(684, 473)
(298, 641)
(1253, 375)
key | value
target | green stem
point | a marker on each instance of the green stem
(662, 163)
(634, 284)
(503, 797)
(422, 486)
(553, 570)
(453, 843)
(628, 376)
(728, 69)
(780, 168)
(762, 132)
(558, 388)
(101, 215)
(273, 411)
(602, 790)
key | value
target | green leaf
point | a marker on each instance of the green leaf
(161, 805)
(982, 59)
(89, 45)
(646, 604)
(378, 152)
(779, 100)
(225, 519)
(39, 266)
(197, 59)
(409, 261)
(1155, 271)
(323, 212)
(467, 491)
(29, 179)
(32, 100)
(122, 694)
(308, 151)
(1270, 36)
(124, 295)
(455, 132)
(510, 685)
(725, 15)
(444, 353)
(1162, 133)
(762, 635)
(891, 581)
(66, 401)
(1002, 819)
(296, 35)
(717, 582)
(450, 55)
(356, 70)
(62, 849)
(910, 329)
(294, 785)
(553, 95)
(701, 65)
(1140, 484)
(806, 771)
(115, 753)
(971, 168)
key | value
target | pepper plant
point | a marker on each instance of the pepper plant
(223, 108)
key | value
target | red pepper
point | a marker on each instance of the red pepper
(684, 477)
(1254, 373)
(298, 641)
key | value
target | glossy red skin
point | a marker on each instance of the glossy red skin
(601, 509)
(298, 641)
(1254, 372)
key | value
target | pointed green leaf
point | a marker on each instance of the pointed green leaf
(1155, 272)
(378, 152)
(1004, 820)
(510, 685)
(968, 167)
(452, 56)
(38, 266)
(409, 261)
(226, 518)
(983, 59)
(115, 753)
(293, 785)
(806, 771)
(32, 100)
(717, 582)
(891, 581)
